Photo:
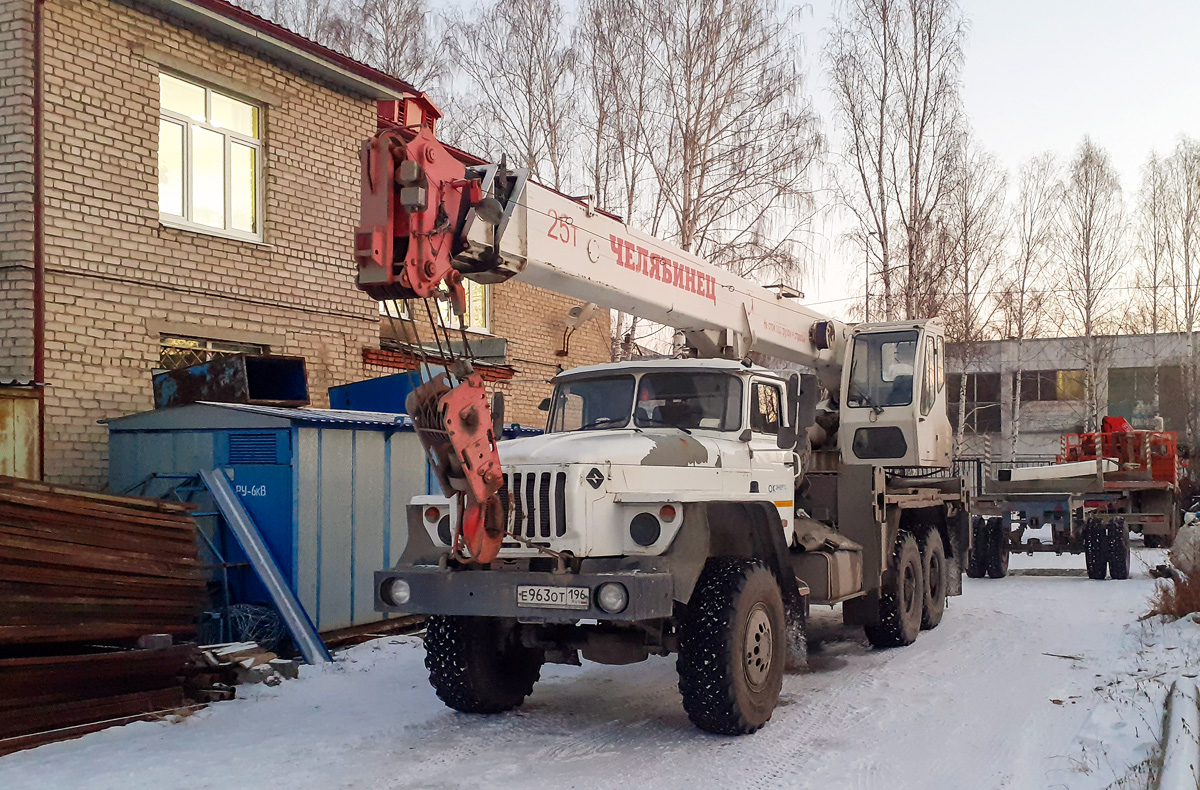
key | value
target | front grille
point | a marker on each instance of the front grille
(535, 503)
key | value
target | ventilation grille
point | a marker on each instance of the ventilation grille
(252, 448)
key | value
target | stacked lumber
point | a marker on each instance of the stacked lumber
(49, 698)
(79, 567)
(83, 575)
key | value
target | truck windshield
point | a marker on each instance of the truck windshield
(587, 404)
(881, 370)
(689, 400)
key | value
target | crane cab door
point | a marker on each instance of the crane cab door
(893, 410)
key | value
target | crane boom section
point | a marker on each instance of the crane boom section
(562, 244)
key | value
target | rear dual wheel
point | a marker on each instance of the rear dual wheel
(990, 548)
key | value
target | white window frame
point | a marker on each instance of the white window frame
(397, 309)
(228, 136)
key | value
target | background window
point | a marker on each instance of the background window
(182, 352)
(478, 316)
(209, 159)
(983, 401)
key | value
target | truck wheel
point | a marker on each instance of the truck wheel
(901, 597)
(1095, 550)
(933, 567)
(475, 668)
(976, 564)
(998, 549)
(1118, 549)
(731, 647)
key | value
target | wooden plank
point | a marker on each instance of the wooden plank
(87, 632)
(108, 512)
(23, 514)
(138, 502)
(104, 540)
(19, 572)
(66, 714)
(126, 561)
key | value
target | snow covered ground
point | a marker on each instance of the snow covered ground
(1043, 679)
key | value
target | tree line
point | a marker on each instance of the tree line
(693, 122)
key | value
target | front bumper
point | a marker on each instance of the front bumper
(493, 593)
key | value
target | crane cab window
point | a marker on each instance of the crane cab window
(689, 400)
(765, 408)
(929, 385)
(881, 370)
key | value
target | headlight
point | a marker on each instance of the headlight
(644, 529)
(397, 592)
(612, 597)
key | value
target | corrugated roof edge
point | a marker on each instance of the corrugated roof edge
(195, 11)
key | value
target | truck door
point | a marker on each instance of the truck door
(769, 465)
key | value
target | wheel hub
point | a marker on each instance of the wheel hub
(758, 648)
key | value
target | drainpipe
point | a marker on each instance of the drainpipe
(39, 261)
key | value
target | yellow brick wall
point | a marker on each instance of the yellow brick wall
(16, 189)
(533, 320)
(113, 270)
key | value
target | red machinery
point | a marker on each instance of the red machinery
(1132, 450)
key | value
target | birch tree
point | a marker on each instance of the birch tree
(1024, 298)
(1183, 238)
(516, 65)
(1091, 252)
(972, 240)
(895, 67)
(739, 138)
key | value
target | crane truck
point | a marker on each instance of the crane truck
(696, 505)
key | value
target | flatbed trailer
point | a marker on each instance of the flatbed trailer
(1092, 515)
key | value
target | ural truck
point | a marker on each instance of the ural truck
(1103, 485)
(696, 506)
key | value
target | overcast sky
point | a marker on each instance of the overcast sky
(1040, 74)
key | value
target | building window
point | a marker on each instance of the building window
(1052, 385)
(477, 318)
(983, 401)
(209, 160)
(183, 352)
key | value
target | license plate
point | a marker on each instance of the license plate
(549, 597)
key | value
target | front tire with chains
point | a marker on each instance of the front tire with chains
(732, 647)
(474, 665)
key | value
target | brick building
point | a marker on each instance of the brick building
(198, 195)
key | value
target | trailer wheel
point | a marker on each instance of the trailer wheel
(998, 549)
(933, 567)
(976, 564)
(731, 647)
(474, 666)
(901, 597)
(1095, 549)
(1118, 549)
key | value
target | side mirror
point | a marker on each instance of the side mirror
(544, 405)
(498, 415)
(802, 393)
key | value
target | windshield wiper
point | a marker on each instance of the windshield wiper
(875, 407)
(654, 421)
(598, 422)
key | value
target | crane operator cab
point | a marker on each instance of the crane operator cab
(894, 396)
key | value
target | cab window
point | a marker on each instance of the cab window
(881, 370)
(689, 400)
(929, 386)
(765, 408)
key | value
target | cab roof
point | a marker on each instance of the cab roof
(635, 367)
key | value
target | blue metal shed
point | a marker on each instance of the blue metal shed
(327, 489)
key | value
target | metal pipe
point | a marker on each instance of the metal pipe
(39, 231)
